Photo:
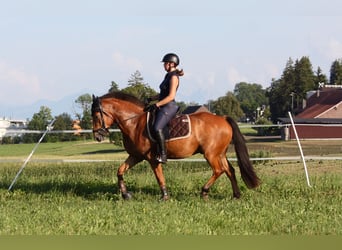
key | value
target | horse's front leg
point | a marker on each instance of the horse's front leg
(129, 162)
(158, 172)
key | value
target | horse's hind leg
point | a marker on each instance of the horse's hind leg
(220, 165)
(230, 172)
(215, 164)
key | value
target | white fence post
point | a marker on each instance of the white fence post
(300, 149)
(49, 128)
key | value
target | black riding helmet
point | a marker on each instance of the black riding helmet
(171, 57)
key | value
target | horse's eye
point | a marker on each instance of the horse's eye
(96, 118)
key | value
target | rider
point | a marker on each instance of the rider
(166, 107)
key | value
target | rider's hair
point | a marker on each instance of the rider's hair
(180, 72)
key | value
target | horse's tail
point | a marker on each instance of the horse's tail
(248, 174)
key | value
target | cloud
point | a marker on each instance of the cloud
(334, 49)
(272, 70)
(327, 47)
(26, 86)
(125, 63)
(234, 76)
(265, 74)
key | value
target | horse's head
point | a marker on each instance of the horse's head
(114, 107)
(101, 120)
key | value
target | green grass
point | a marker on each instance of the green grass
(107, 151)
(64, 150)
(83, 199)
(248, 130)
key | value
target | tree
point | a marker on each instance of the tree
(138, 88)
(182, 106)
(136, 78)
(320, 77)
(288, 92)
(287, 85)
(286, 88)
(113, 87)
(227, 105)
(251, 96)
(304, 80)
(289, 72)
(39, 121)
(281, 92)
(84, 103)
(336, 72)
(63, 122)
(279, 99)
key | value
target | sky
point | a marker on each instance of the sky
(51, 52)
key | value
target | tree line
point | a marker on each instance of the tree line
(248, 102)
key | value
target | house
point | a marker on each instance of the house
(321, 118)
(13, 125)
(195, 109)
(323, 103)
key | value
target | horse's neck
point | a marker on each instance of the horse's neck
(129, 120)
(125, 114)
(121, 112)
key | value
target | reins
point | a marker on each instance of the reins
(132, 117)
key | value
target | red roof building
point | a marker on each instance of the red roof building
(324, 103)
(321, 118)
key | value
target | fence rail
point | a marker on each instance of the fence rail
(25, 131)
(285, 158)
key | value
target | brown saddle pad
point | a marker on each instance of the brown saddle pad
(178, 128)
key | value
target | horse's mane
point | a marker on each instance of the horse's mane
(124, 97)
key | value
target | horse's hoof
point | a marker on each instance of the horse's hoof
(236, 196)
(164, 198)
(127, 196)
(205, 197)
(205, 194)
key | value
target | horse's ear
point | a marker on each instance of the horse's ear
(95, 99)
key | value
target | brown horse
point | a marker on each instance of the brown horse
(210, 135)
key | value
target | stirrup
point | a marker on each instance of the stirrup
(162, 158)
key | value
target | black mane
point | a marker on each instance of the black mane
(124, 97)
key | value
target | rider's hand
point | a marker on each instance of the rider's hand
(147, 101)
(150, 108)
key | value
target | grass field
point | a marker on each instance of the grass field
(82, 198)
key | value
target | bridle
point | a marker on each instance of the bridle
(104, 130)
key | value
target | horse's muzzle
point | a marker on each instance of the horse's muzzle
(100, 134)
(98, 137)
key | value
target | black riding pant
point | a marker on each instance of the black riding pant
(165, 114)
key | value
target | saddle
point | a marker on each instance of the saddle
(178, 128)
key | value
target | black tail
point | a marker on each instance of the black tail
(246, 168)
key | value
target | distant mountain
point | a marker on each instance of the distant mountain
(64, 105)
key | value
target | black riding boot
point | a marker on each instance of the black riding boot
(162, 157)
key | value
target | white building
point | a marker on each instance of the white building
(11, 124)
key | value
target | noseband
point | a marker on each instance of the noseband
(97, 107)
